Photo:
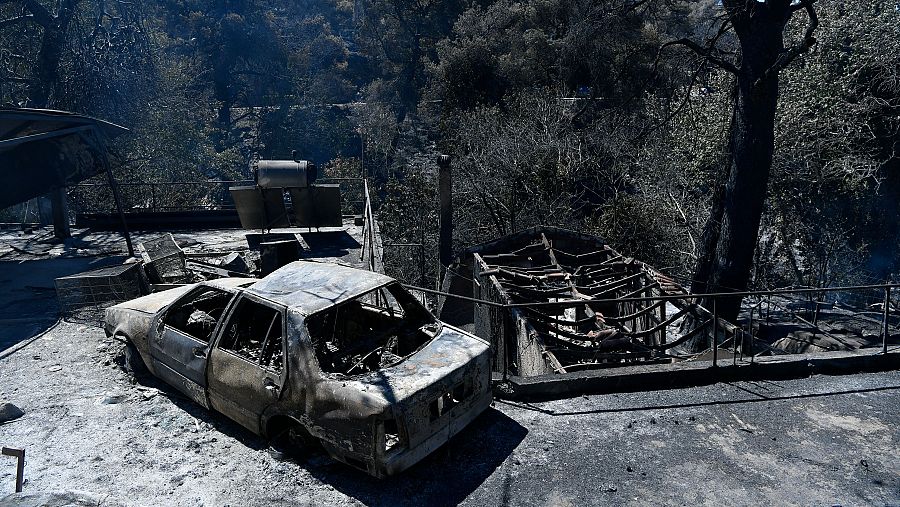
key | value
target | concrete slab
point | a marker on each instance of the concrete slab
(694, 373)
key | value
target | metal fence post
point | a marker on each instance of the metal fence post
(503, 335)
(884, 319)
(734, 347)
(422, 264)
(751, 334)
(715, 333)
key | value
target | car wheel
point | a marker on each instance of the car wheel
(293, 442)
(134, 364)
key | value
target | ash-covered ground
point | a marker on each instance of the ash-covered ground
(822, 440)
(88, 427)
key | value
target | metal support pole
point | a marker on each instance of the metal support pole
(715, 333)
(751, 336)
(445, 197)
(115, 193)
(19, 454)
(60, 210)
(422, 266)
(734, 346)
(818, 308)
(504, 336)
(884, 319)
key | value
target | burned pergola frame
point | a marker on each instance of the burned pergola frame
(566, 302)
(44, 151)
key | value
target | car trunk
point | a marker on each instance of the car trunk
(432, 387)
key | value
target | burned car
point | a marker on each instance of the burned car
(314, 351)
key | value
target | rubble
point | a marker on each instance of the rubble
(164, 261)
(235, 262)
(547, 272)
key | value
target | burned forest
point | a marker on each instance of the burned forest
(449, 252)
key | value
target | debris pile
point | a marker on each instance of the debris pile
(577, 304)
(164, 261)
(163, 265)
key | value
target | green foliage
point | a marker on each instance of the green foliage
(499, 48)
(398, 37)
(87, 56)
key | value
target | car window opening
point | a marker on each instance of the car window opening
(372, 331)
(254, 333)
(273, 348)
(198, 313)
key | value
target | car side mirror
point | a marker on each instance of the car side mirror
(199, 352)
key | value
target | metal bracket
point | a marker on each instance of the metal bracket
(19, 454)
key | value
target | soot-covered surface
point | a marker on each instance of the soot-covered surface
(822, 440)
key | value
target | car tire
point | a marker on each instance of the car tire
(293, 442)
(134, 364)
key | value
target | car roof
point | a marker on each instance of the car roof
(229, 284)
(308, 286)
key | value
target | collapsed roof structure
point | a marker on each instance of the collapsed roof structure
(566, 302)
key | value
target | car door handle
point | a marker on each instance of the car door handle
(199, 352)
(270, 385)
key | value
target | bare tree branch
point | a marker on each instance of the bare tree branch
(791, 54)
(705, 52)
(18, 19)
(41, 15)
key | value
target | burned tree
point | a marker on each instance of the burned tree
(55, 28)
(72, 55)
(726, 252)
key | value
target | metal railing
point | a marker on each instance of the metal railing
(157, 196)
(735, 337)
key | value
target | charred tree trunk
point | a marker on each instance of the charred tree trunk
(731, 235)
(222, 88)
(53, 41)
(752, 147)
(710, 237)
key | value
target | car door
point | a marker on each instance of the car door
(247, 363)
(180, 343)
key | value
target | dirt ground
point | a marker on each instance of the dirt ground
(823, 440)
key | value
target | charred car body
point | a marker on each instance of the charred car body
(341, 355)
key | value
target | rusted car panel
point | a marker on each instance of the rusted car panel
(347, 354)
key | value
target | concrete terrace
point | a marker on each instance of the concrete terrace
(87, 426)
